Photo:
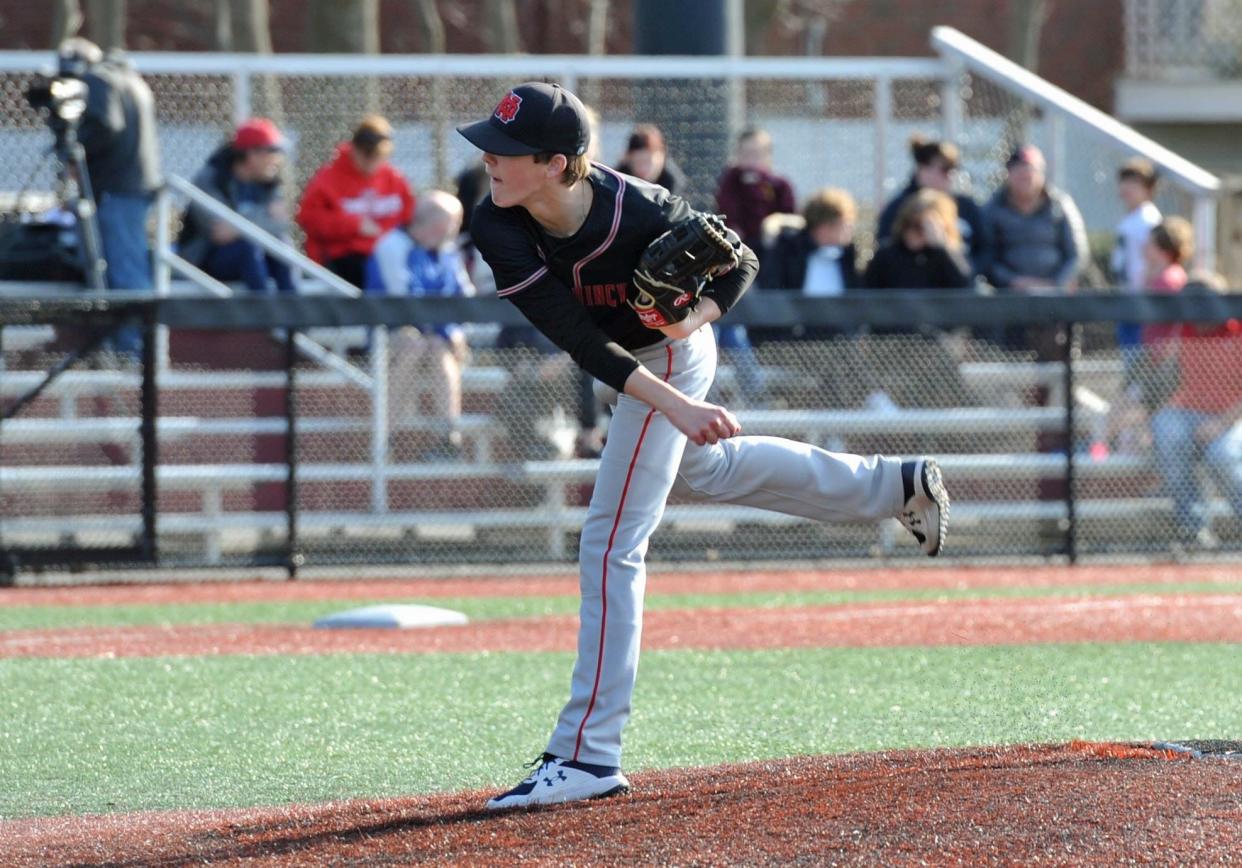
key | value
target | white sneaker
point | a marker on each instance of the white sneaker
(556, 781)
(926, 513)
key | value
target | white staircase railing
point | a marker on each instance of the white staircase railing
(965, 54)
(374, 383)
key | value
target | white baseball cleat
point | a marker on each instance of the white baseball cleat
(926, 513)
(557, 780)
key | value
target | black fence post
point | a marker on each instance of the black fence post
(1071, 350)
(149, 435)
(294, 557)
(8, 567)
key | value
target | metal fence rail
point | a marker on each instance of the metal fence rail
(264, 459)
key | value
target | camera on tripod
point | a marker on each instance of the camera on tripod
(62, 101)
(62, 97)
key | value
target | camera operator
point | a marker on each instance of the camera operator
(118, 135)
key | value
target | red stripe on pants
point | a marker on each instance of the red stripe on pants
(616, 522)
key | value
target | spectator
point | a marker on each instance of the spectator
(244, 174)
(935, 165)
(1038, 243)
(118, 136)
(1167, 251)
(353, 200)
(1202, 423)
(749, 190)
(1038, 239)
(1136, 184)
(748, 193)
(813, 253)
(1150, 368)
(646, 157)
(423, 260)
(926, 250)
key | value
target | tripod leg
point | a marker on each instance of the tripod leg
(84, 208)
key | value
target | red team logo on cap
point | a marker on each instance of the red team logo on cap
(508, 108)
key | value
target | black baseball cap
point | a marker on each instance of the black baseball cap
(533, 118)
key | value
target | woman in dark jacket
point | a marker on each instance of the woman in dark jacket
(925, 251)
(935, 163)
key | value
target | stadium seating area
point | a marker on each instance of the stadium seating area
(70, 467)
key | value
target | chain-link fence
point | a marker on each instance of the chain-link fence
(410, 448)
(1180, 40)
(77, 435)
(1080, 162)
(834, 121)
(1145, 459)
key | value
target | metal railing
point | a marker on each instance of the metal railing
(64, 460)
(1063, 109)
(168, 261)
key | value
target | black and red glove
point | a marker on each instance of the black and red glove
(674, 268)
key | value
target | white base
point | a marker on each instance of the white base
(393, 615)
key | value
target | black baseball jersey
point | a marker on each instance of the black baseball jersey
(573, 289)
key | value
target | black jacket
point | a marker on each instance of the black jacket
(896, 266)
(118, 130)
(782, 266)
(783, 262)
(975, 229)
(217, 180)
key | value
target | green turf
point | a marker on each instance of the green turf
(99, 735)
(486, 608)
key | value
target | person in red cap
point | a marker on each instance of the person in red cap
(353, 200)
(244, 174)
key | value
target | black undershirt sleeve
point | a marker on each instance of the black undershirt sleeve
(728, 288)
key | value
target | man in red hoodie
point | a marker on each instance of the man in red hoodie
(353, 200)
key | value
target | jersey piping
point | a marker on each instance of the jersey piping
(612, 230)
(518, 287)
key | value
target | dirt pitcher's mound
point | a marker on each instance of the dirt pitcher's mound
(1067, 804)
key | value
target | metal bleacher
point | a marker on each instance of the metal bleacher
(221, 526)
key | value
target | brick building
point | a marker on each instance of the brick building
(1081, 47)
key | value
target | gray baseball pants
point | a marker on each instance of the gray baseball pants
(645, 458)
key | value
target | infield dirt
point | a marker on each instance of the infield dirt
(1059, 805)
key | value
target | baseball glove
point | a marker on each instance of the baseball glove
(674, 268)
